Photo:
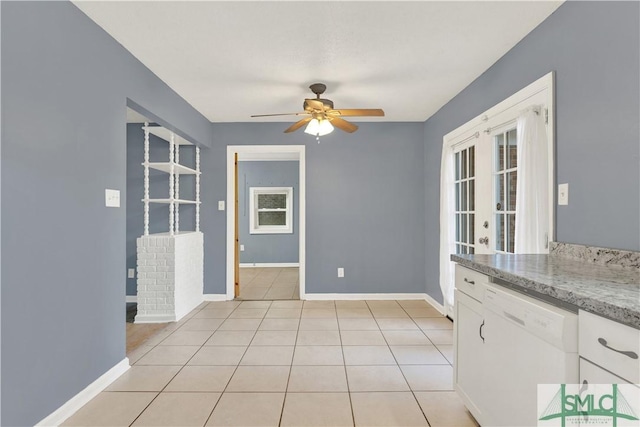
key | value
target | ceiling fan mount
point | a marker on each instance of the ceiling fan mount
(318, 88)
(322, 110)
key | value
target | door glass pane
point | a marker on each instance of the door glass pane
(499, 152)
(472, 161)
(458, 196)
(471, 250)
(472, 195)
(463, 232)
(511, 190)
(499, 192)
(458, 249)
(472, 237)
(458, 227)
(511, 219)
(463, 165)
(499, 232)
(512, 149)
(457, 163)
(464, 196)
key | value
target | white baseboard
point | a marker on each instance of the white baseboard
(79, 400)
(154, 318)
(269, 264)
(318, 296)
(435, 304)
(132, 298)
(215, 297)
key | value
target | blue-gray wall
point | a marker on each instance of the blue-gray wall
(268, 248)
(365, 205)
(65, 85)
(594, 49)
(158, 188)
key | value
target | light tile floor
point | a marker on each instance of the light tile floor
(269, 283)
(289, 363)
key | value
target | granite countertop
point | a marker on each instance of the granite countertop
(609, 290)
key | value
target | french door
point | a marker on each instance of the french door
(485, 179)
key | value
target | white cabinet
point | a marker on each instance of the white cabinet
(469, 352)
(505, 344)
(610, 347)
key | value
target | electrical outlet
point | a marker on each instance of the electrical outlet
(241, 248)
(340, 272)
(220, 205)
(563, 194)
(112, 198)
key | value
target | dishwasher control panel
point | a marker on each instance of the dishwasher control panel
(551, 324)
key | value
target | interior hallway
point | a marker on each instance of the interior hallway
(269, 283)
(289, 363)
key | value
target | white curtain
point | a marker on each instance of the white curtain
(532, 190)
(447, 227)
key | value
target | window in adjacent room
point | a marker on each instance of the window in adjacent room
(271, 210)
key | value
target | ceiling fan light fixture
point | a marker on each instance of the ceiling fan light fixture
(319, 127)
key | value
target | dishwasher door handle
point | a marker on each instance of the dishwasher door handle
(480, 331)
(630, 354)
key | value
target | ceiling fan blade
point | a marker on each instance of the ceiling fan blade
(315, 104)
(343, 125)
(358, 112)
(297, 125)
(280, 114)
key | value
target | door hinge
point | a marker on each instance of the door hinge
(546, 116)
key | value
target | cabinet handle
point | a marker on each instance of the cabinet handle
(630, 354)
(471, 282)
(480, 331)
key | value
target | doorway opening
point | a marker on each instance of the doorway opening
(265, 222)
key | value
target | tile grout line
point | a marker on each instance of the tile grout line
(239, 361)
(179, 370)
(398, 365)
(293, 355)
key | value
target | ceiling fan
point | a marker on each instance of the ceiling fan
(322, 117)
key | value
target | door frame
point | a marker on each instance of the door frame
(273, 150)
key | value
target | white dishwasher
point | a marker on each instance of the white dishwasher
(527, 342)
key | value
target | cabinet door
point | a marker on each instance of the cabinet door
(593, 374)
(469, 352)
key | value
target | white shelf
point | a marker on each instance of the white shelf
(167, 201)
(164, 133)
(178, 169)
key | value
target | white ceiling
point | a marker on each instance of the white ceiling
(236, 58)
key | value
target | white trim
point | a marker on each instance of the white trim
(358, 297)
(269, 264)
(155, 318)
(267, 157)
(215, 297)
(300, 151)
(69, 408)
(436, 304)
(132, 298)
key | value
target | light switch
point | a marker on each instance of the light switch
(563, 194)
(340, 272)
(131, 273)
(112, 198)
(241, 248)
(220, 205)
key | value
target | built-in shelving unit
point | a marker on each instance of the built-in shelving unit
(174, 169)
(170, 264)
